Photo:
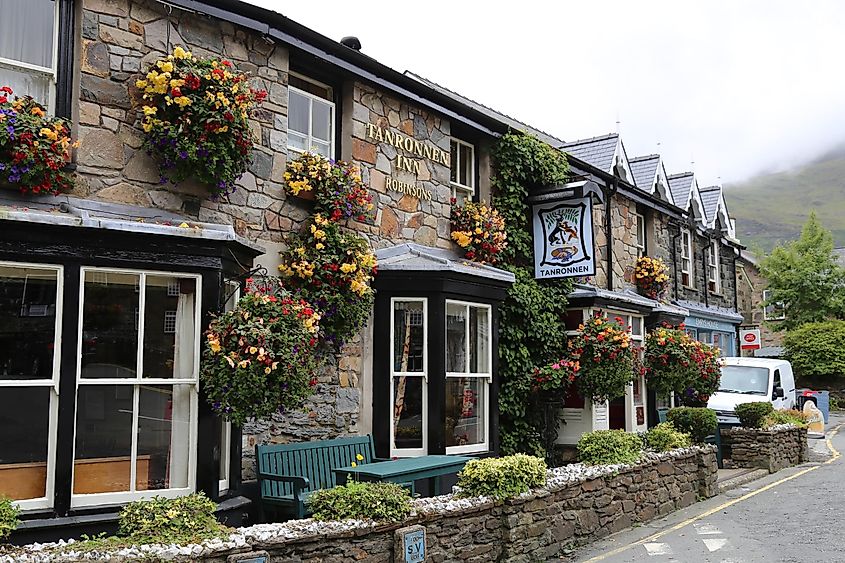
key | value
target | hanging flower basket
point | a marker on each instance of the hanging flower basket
(196, 119)
(34, 147)
(603, 350)
(552, 381)
(651, 276)
(260, 357)
(334, 186)
(479, 230)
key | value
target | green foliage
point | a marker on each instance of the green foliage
(753, 415)
(180, 520)
(386, 502)
(501, 477)
(609, 447)
(8, 517)
(805, 276)
(816, 349)
(834, 403)
(665, 437)
(698, 422)
(785, 416)
(603, 350)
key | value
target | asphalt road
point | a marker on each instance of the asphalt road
(773, 519)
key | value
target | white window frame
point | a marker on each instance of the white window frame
(714, 270)
(121, 497)
(687, 262)
(639, 232)
(53, 409)
(310, 137)
(409, 452)
(233, 290)
(468, 190)
(769, 311)
(487, 377)
(51, 71)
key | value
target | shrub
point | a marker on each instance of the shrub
(784, 416)
(665, 437)
(815, 349)
(752, 415)
(609, 447)
(698, 422)
(501, 477)
(8, 517)
(386, 502)
(182, 520)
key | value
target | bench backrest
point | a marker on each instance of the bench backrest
(313, 460)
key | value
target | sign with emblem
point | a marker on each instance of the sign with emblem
(749, 339)
(563, 239)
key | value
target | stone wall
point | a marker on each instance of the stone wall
(770, 449)
(726, 297)
(750, 285)
(624, 237)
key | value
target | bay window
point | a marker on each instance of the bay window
(462, 162)
(311, 117)
(408, 377)
(28, 48)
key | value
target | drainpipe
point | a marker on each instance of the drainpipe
(608, 228)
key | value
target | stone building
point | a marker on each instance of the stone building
(751, 296)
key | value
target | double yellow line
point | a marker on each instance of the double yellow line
(658, 535)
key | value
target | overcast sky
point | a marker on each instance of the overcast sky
(737, 87)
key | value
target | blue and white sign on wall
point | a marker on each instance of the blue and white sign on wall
(563, 239)
(414, 543)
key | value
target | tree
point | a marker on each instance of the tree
(803, 275)
(815, 350)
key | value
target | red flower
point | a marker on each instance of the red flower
(6, 89)
(226, 63)
(176, 92)
(228, 116)
(3, 99)
(192, 82)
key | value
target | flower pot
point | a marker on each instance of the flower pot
(306, 195)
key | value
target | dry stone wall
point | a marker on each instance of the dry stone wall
(770, 449)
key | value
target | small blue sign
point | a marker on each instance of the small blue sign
(414, 546)
(258, 559)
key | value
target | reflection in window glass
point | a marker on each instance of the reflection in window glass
(26, 42)
(479, 329)
(298, 108)
(321, 123)
(408, 336)
(110, 325)
(103, 439)
(163, 436)
(456, 356)
(465, 416)
(24, 430)
(408, 412)
(168, 328)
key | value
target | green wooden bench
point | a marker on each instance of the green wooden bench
(288, 473)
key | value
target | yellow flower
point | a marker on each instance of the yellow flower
(150, 110)
(347, 268)
(320, 246)
(267, 371)
(253, 349)
(354, 464)
(180, 53)
(182, 101)
(359, 457)
(165, 66)
(141, 84)
(49, 133)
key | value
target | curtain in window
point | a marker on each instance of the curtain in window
(183, 366)
(26, 31)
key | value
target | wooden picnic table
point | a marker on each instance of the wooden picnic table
(404, 471)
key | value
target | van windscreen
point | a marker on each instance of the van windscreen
(744, 379)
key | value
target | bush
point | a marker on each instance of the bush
(387, 502)
(609, 447)
(501, 477)
(752, 415)
(784, 416)
(665, 437)
(182, 520)
(698, 422)
(815, 349)
(8, 517)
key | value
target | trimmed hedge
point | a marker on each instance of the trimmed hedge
(609, 447)
(501, 477)
(665, 437)
(386, 502)
(753, 415)
(698, 422)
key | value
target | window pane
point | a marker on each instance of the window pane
(466, 166)
(321, 121)
(453, 160)
(27, 322)
(103, 439)
(164, 429)
(479, 340)
(408, 412)
(637, 326)
(169, 335)
(298, 108)
(24, 429)
(26, 31)
(408, 336)
(456, 345)
(27, 83)
(466, 419)
(297, 142)
(110, 320)
(321, 148)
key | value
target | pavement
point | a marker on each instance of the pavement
(793, 515)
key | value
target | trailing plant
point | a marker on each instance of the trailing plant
(260, 357)
(34, 147)
(651, 276)
(556, 377)
(332, 269)
(181, 520)
(709, 363)
(196, 119)
(609, 447)
(479, 230)
(501, 477)
(753, 415)
(698, 422)
(815, 350)
(667, 361)
(385, 502)
(603, 349)
(8, 517)
(338, 191)
(665, 437)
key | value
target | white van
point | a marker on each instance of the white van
(750, 380)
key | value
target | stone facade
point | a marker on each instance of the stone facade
(749, 286)
(770, 449)
(726, 297)
(624, 242)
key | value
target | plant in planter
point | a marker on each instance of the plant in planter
(667, 360)
(479, 230)
(260, 357)
(651, 276)
(335, 187)
(332, 269)
(196, 119)
(709, 365)
(553, 380)
(603, 350)
(34, 147)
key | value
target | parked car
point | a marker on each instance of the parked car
(749, 380)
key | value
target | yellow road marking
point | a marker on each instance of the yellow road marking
(658, 535)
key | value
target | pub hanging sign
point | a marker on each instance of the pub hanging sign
(563, 239)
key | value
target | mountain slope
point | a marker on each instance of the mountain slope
(773, 207)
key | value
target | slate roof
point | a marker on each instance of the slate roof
(680, 186)
(586, 291)
(644, 169)
(710, 198)
(416, 257)
(598, 151)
